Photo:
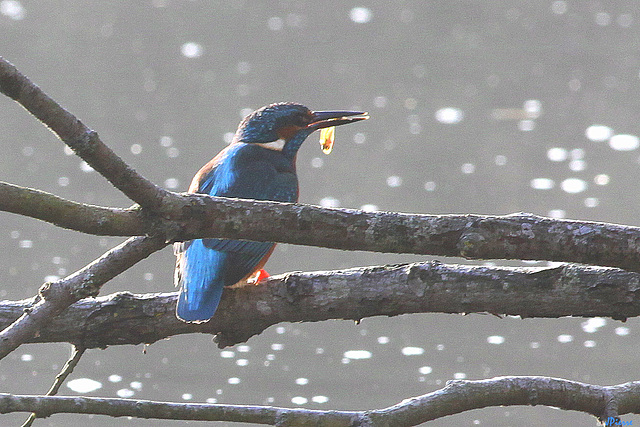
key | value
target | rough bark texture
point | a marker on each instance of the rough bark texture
(567, 290)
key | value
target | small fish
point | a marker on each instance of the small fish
(327, 137)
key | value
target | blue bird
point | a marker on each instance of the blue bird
(258, 164)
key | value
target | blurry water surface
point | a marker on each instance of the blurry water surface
(477, 107)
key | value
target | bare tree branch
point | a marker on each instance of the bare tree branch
(56, 297)
(458, 396)
(567, 290)
(67, 369)
(72, 215)
(517, 236)
(82, 140)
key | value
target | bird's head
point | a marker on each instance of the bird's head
(285, 126)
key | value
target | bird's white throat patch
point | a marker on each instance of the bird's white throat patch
(276, 145)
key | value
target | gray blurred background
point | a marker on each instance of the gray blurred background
(476, 107)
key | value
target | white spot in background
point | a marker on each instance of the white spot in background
(173, 152)
(277, 347)
(28, 151)
(577, 154)
(243, 348)
(369, 208)
(500, 160)
(211, 400)
(187, 396)
(622, 331)
(171, 183)
(302, 381)
(360, 15)
(592, 325)
(598, 133)
(275, 23)
(591, 202)
(227, 354)
(383, 340)
(380, 101)
(449, 115)
(243, 67)
(542, 184)
(557, 213)
(565, 338)
(299, 400)
(191, 50)
(85, 167)
(577, 165)
(317, 162)
(319, 399)
(533, 108)
(136, 385)
(63, 181)
(394, 181)
(603, 19)
(228, 137)
(136, 149)
(15, 234)
(280, 330)
(242, 362)
(526, 125)
(26, 357)
(25, 244)
(166, 141)
(329, 202)
(357, 354)
(234, 380)
(148, 277)
(84, 385)
(624, 142)
(412, 351)
(495, 339)
(459, 375)
(359, 138)
(440, 347)
(559, 7)
(534, 344)
(468, 168)
(557, 154)
(52, 277)
(13, 9)
(430, 186)
(589, 344)
(601, 179)
(114, 378)
(425, 370)
(573, 185)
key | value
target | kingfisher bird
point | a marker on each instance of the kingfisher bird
(258, 164)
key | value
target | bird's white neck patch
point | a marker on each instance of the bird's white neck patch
(276, 145)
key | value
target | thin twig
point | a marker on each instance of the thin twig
(67, 369)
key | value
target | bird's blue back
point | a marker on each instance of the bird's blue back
(206, 266)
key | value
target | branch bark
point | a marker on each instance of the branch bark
(567, 290)
(458, 396)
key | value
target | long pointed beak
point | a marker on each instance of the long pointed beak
(324, 119)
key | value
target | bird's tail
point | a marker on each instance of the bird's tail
(197, 275)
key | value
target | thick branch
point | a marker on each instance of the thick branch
(518, 236)
(67, 214)
(56, 297)
(82, 140)
(567, 290)
(456, 397)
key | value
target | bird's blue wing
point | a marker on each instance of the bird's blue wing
(205, 266)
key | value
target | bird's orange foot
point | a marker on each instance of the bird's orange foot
(257, 277)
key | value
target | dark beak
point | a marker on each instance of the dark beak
(325, 119)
